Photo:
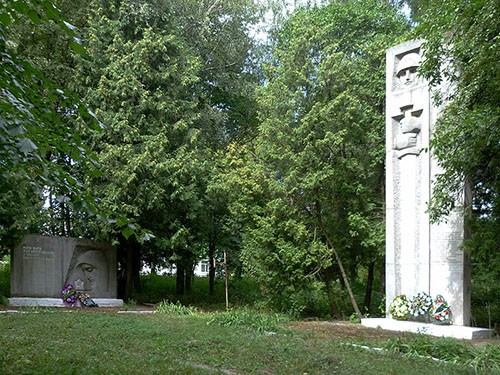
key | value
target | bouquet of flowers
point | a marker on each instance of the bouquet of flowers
(69, 295)
(85, 300)
(399, 307)
(440, 311)
(420, 305)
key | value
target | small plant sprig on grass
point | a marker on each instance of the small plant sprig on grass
(130, 305)
(420, 305)
(440, 310)
(399, 308)
(258, 321)
(484, 358)
(69, 295)
(169, 308)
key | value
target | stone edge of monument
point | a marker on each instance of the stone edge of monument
(57, 302)
(457, 332)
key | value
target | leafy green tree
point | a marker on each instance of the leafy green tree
(36, 114)
(413, 7)
(218, 32)
(45, 46)
(19, 209)
(169, 81)
(463, 49)
(30, 128)
(320, 148)
(140, 78)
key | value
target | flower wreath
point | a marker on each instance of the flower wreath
(70, 296)
(399, 307)
(440, 310)
(420, 304)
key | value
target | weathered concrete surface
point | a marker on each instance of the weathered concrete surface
(420, 256)
(42, 265)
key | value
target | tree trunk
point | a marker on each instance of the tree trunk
(188, 277)
(179, 279)
(137, 268)
(211, 265)
(381, 287)
(153, 268)
(337, 258)
(333, 306)
(369, 287)
(67, 218)
(346, 281)
(129, 268)
(52, 212)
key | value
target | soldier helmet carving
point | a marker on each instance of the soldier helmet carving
(409, 61)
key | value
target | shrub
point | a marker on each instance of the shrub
(169, 308)
(156, 288)
(5, 277)
(310, 300)
(261, 322)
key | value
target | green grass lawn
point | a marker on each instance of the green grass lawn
(90, 342)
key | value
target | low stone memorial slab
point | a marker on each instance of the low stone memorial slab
(41, 266)
(457, 332)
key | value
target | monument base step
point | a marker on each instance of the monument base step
(57, 302)
(458, 332)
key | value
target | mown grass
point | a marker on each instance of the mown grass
(87, 342)
(484, 358)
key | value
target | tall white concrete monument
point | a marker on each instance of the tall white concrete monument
(420, 256)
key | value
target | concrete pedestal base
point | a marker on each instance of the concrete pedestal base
(458, 332)
(57, 302)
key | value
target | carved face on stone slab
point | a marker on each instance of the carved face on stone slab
(407, 69)
(88, 270)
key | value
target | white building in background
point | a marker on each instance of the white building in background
(201, 268)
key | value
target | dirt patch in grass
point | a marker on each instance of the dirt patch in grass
(343, 331)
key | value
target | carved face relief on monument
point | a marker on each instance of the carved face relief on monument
(407, 69)
(406, 140)
(88, 270)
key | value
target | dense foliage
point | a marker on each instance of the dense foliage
(462, 51)
(315, 194)
(43, 153)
